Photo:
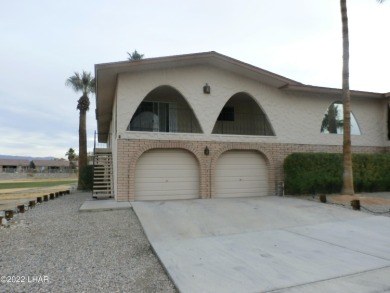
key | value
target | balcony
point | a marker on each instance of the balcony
(163, 117)
(242, 124)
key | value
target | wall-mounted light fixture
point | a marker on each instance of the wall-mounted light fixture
(206, 89)
(206, 151)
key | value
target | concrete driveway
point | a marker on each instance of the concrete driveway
(268, 244)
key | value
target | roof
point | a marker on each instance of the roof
(330, 91)
(51, 163)
(14, 162)
(106, 78)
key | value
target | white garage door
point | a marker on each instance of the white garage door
(166, 174)
(241, 174)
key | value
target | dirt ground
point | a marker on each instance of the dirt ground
(37, 180)
(374, 203)
(364, 199)
(10, 198)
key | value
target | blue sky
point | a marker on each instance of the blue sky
(43, 42)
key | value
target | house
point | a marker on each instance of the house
(14, 165)
(50, 166)
(209, 126)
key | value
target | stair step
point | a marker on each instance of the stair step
(101, 192)
(102, 172)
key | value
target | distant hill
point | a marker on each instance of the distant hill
(25, 158)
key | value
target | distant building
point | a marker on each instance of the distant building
(14, 165)
(50, 166)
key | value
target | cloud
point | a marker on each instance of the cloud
(42, 45)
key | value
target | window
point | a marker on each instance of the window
(333, 121)
(154, 117)
(227, 114)
(242, 115)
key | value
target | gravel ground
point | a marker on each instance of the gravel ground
(56, 248)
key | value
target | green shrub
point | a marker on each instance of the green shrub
(322, 173)
(86, 178)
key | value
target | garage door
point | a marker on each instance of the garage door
(241, 174)
(166, 174)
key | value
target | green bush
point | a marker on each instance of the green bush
(86, 178)
(322, 173)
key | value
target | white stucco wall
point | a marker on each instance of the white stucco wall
(295, 118)
(114, 146)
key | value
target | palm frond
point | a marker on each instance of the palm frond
(84, 83)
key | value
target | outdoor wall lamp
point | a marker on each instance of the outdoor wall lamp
(206, 151)
(206, 89)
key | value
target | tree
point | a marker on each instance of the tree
(332, 122)
(86, 84)
(71, 154)
(135, 56)
(347, 146)
(347, 188)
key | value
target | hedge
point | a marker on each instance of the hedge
(86, 178)
(322, 173)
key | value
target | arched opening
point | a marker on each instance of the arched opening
(167, 174)
(333, 121)
(164, 109)
(241, 115)
(241, 173)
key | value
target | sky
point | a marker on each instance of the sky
(44, 42)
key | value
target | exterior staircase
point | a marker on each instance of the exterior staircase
(102, 173)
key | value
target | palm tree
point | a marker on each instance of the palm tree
(347, 188)
(135, 56)
(86, 84)
(71, 154)
(347, 147)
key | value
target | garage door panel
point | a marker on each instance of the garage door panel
(164, 196)
(171, 186)
(241, 174)
(241, 184)
(159, 180)
(162, 191)
(167, 174)
(164, 167)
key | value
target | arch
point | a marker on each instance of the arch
(164, 109)
(242, 115)
(243, 147)
(162, 145)
(333, 120)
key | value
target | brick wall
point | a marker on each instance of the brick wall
(128, 152)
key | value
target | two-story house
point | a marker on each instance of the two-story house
(208, 126)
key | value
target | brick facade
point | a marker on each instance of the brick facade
(129, 151)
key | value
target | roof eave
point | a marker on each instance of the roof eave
(330, 91)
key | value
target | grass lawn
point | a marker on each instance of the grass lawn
(32, 184)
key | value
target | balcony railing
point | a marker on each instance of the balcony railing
(101, 145)
(244, 124)
(170, 120)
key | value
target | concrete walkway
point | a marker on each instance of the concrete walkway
(268, 244)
